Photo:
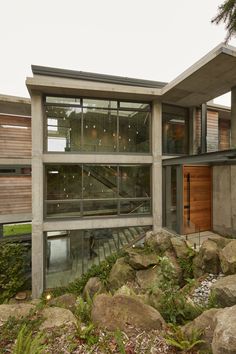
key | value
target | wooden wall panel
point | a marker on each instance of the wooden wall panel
(212, 131)
(15, 192)
(224, 134)
(15, 136)
(200, 198)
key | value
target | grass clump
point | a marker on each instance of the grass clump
(27, 344)
(178, 339)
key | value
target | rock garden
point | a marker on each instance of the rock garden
(157, 297)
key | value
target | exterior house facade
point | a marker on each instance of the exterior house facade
(113, 157)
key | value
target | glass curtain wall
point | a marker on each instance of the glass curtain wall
(170, 197)
(69, 254)
(88, 125)
(175, 130)
(97, 190)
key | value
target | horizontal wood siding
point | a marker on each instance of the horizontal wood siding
(200, 198)
(15, 136)
(224, 134)
(15, 194)
(212, 131)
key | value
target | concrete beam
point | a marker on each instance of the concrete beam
(233, 117)
(83, 224)
(15, 218)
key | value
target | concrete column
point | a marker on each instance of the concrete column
(233, 117)
(157, 165)
(37, 196)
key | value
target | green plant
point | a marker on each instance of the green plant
(178, 339)
(119, 341)
(212, 301)
(173, 304)
(13, 263)
(87, 333)
(83, 309)
(186, 265)
(26, 344)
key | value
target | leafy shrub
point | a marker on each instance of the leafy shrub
(83, 309)
(13, 264)
(178, 340)
(26, 344)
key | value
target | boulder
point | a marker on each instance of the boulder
(205, 326)
(224, 291)
(125, 290)
(180, 247)
(228, 258)
(15, 310)
(121, 272)
(120, 311)
(148, 278)
(160, 242)
(139, 259)
(224, 338)
(207, 260)
(219, 240)
(154, 298)
(67, 301)
(56, 317)
(177, 270)
(92, 287)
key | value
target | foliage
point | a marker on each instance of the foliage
(173, 305)
(83, 309)
(87, 334)
(186, 265)
(178, 340)
(26, 344)
(17, 229)
(212, 301)
(102, 271)
(11, 328)
(13, 263)
(227, 14)
(119, 341)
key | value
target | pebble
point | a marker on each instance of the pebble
(201, 294)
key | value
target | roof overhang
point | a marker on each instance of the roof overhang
(210, 77)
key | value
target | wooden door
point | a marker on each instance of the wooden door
(197, 198)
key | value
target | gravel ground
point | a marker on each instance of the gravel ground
(200, 296)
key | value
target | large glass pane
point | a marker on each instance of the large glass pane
(135, 206)
(63, 128)
(174, 130)
(63, 209)
(64, 182)
(171, 197)
(99, 103)
(99, 130)
(134, 181)
(135, 105)
(69, 254)
(134, 131)
(99, 181)
(63, 100)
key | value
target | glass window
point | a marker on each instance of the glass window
(69, 254)
(96, 190)
(90, 125)
(64, 128)
(134, 181)
(134, 131)
(174, 130)
(100, 130)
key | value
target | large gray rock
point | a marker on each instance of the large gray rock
(177, 270)
(15, 310)
(224, 338)
(180, 247)
(149, 278)
(139, 259)
(56, 317)
(67, 301)
(219, 240)
(92, 287)
(228, 258)
(121, 273)
(160, 242)
(205, 326)
(120, 311)
(207, 260)
(224, 291)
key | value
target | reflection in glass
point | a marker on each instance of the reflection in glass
(63, 209)
(99, 207)
(99, 103)
(174, 130)
(171, 197)
(135, 206)
(69, 254)
(99, 130)
(134, 181)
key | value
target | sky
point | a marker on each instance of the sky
(147, 39)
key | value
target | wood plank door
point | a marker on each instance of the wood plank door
(197, 198)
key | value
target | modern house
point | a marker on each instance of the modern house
(113, 157)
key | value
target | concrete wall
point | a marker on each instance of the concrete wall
(224, 199)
